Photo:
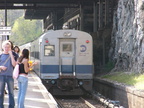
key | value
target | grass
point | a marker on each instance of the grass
(136, 80)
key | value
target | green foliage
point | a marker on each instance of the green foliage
(24, 31)
(136, 80)
(12, 15)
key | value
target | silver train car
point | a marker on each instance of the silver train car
(65, 61)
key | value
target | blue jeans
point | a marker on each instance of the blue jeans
(10, 84)
(22, 84)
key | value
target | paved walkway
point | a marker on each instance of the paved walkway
(37, 96)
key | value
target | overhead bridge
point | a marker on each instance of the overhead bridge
(40, 4)
(101, 10)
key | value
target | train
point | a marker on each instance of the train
(64, 61)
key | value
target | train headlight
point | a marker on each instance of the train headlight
(67, 34)
(80, 83)
(53, 81)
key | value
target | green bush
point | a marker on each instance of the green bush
(132, 79)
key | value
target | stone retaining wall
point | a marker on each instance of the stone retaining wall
(128, 96)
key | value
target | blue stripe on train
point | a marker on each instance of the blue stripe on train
(66, 69)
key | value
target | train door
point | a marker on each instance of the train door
(67, 57)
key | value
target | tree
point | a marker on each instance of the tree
(12, 15)
(24, 31)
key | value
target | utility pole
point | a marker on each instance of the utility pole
(7, 36)
(1, 37)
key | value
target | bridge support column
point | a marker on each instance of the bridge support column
(106, 12)
(81, 18)
(55, 20)
(100, 14)
(95, 18)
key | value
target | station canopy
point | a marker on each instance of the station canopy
(39, 9)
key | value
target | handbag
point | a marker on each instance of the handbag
(16, 71)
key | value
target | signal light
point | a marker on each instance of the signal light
(87, 41)
(46, 41)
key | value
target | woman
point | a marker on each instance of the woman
(16, 56)
(24, 68)
(7, 63)
(16, 49)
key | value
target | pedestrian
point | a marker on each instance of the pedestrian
(16, 49)
(16, 58)
(7, 63)
(24, 68)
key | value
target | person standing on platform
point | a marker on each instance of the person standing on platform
(16, 49)
(7, 63)
(16, 56)
(24, 68)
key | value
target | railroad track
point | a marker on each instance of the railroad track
(96, 101)
(78, 103)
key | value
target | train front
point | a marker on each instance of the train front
(68, 65)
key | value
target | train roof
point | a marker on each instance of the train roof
(54, 31)
(63, 32)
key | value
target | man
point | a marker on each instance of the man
(7, 62)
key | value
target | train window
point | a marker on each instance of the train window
(49, 50)
(67, 47)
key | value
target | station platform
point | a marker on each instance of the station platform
(37, 96)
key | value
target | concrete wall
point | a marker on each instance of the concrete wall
(128, 96)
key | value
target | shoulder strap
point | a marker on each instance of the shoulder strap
(6, 60)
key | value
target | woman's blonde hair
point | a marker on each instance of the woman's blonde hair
(5, 43)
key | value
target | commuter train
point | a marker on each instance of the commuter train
(65, 61)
